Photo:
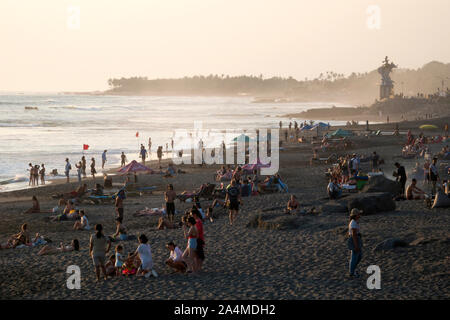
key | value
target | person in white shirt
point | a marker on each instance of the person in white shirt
(175, 260)
(145, 255)
(354, 241)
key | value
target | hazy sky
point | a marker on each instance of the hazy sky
(42, 48)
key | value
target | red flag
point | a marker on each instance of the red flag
(137, 134)
(85, 146)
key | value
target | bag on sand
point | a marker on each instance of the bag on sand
(441, 200)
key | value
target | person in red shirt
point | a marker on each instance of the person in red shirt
(200, 238)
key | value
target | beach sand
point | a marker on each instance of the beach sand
(308, 260)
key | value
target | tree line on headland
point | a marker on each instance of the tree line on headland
(356, 88)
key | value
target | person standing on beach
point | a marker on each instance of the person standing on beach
(159, 154)
(79, 169)
(31, 169)
(401, 177)
(67, 169)
(83, 166)
(169, 197)
(149, 147)
(375, 160)
(42, 174)
(93, 171)
(281, 125)
(143, 154)
(104, 159)
(171, 143)
(233, 198)
(36, 175)
(99, 246)
(123, 159)
(118, 204)
(434, 176)
(354, 241)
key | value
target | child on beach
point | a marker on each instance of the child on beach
(131, 265)
(119, 260)
(110, 266)
(83, 224)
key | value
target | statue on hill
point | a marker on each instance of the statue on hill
(387, 85)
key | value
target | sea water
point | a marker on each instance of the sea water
(47, 128)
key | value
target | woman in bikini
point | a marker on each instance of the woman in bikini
(293, 205)
(191, 235)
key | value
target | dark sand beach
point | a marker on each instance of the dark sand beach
(300, 257)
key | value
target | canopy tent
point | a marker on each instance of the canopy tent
(428, 127)
(255, 166)
(307, 127)
(341, 133)
(320, 125)
(134, 166)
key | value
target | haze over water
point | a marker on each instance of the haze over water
(63, 123)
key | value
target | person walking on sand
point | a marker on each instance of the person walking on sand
(42, 174)
(104, 159)
(354, 241)
(189, 255)
(99, 246)
(233, 198)
(67, 169)
(83, 166)
(169, 197)
(143, 154)
(93, 171)
(123, 159)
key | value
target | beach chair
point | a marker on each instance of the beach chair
(207, 192)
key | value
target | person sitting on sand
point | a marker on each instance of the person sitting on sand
(121, 231)
(293, 205)
(74, 246)
(145, 255)
(333, 189)
(83, 224)
(22, 237)
(175, 260)
(35, 208)
(110, 266)
(164, 223)
(131, 265)
(413, 192)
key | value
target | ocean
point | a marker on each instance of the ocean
(47, 128)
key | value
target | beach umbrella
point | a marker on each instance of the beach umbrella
(428, 127)
(134, 166)
(242, 137)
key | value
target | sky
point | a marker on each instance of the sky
(77, 45)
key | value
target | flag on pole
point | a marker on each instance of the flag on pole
(137, 134)
(85, 146)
